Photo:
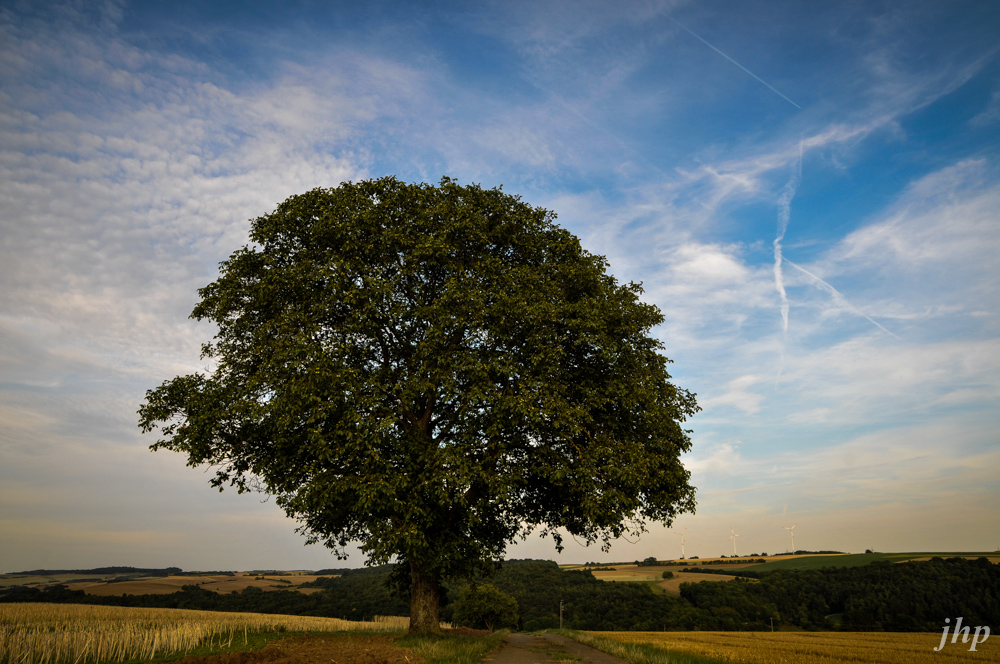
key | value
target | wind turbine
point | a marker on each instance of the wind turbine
(732, 538)
(791, 531)
(681, 535)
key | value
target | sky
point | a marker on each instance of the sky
(810, 193)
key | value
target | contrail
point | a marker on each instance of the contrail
(840, 299)
(784, 215)
(769, 86)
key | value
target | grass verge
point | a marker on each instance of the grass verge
(636, 653)
(452, 648)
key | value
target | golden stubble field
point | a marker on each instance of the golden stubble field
(631, 573)
(674, 585)
(79, 633)
(654, 574)
(218, 583)
(814, 647)
(160, 585)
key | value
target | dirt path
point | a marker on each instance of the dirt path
(318, 649)
(379, 649)
(548, 648)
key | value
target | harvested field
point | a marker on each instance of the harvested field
(813, 647)
(241, 581)
(313, 649)
(652, 573)
(727, 566)
(221, 583)
(630, 573)
(145, 586)
(35, 580)
(78, 633)
(674, 585)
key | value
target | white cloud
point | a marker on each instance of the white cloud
(126, 174)
(738, 395)
(115, 215)
(715, 460)
(123, 184)
(990, 114)
(949, 216)
(552, 37)
(936, 462)
(706, 267)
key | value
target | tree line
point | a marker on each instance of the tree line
(881, 596)
(137, 571)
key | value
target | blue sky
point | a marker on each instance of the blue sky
(809, 192)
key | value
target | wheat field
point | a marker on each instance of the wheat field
(812, 647)
(82, 634)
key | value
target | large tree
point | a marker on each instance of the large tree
(431, 371)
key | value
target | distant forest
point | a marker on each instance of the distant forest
(165, 571)
(882, 596)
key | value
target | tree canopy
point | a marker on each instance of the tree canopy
(431, 371)
(483, 606)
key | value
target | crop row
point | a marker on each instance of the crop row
(804, 647)
(82, 634)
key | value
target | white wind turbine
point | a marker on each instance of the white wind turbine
(791, 531)
(681, 535)
(732, 538)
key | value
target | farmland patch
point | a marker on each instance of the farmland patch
(859, 560)
(630, 573)
(71, 633)
(811, 647)
(339, 648)
(674, 585)
(221, 583)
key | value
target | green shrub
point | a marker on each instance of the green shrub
(483, 606)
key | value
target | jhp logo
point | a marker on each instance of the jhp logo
(965, 634)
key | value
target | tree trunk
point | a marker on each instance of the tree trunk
(423, 601)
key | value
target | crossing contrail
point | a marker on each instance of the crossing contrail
(839, 298)
(758, 78)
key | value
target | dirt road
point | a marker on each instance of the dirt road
(548, 648)
(378, 649)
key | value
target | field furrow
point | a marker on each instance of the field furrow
(813, 647)
(85, 634)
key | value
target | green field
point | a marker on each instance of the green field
(25, 580)
(651, 574)
(859, 559)
(641, 573)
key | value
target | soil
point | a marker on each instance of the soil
(467, 631)
(548, 649)
(318, 649)
(377, 649)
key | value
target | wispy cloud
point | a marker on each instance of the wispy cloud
(132, 161)
(738, 395)
(839, 299)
